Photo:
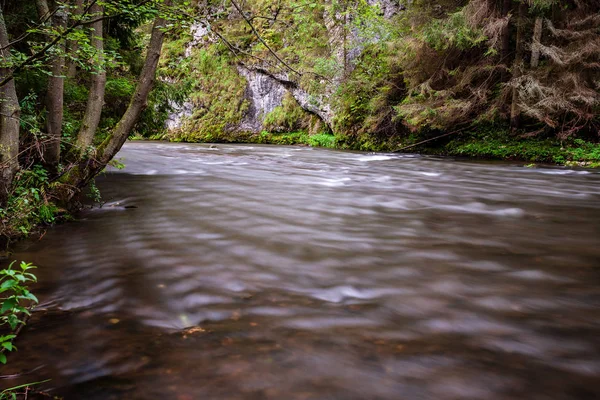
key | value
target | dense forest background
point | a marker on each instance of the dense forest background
(508, 79)
(381, 75)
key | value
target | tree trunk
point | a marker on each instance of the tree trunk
(9, 121)
(505, 39)
(91, 118)
(87, 169)
(139, 100)
(54, 97)
(42, 9)
(517, 69)
(535, 45)
(73, 45)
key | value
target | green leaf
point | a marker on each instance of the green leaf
(30, 296)
(13, 321)
(8, 304)
(7, 284)
(2, 358)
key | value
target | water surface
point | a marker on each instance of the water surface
(270, 272)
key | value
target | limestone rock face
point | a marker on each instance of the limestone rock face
(177, 117)
(389, 7)
(263, 93)
(199, 31)
(265, 90)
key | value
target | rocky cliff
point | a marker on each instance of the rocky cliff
(267, 83)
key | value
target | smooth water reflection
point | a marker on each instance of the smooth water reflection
(255, 272)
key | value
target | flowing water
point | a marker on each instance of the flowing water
(270, 272)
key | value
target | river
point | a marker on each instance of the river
(274, 272)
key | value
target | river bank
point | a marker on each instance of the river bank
(486, 144)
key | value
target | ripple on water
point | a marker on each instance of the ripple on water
(245, 273)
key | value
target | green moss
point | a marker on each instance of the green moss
(217, 92)
(289, 116)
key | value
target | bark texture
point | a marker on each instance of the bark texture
(93, 111)
(55, 95)
(86, 169)
(9, 121)
(517, 69)
(535, 45)
(140, 97)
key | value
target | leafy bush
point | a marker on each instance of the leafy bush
(15, 298)
(28, 203)
(119, 87)
(322, 140)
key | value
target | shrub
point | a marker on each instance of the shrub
(14, 297)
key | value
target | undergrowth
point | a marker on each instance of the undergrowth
(29, 203)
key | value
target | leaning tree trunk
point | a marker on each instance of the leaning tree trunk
(139, 100)
(54, 97)
(87, 169)
(536, 42)
(9, 121)
(517, 69)
(91, 118)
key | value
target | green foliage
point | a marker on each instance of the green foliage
(217, 92)
(495, 142)
(31, 119)
(160, 105)
(28, 203)
(94, 192)
(322, 140)
(75, 92)
(13, 393)
(16, 299)
(362, 100)
(119, 87)
(453, 31)
(287, 117)
(581, 151)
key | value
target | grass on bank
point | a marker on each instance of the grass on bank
(490, 143)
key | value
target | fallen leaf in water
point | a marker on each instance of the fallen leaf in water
(114, 321)
(253, 324)
(195, 329)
